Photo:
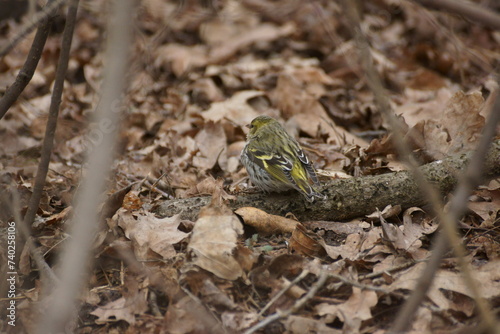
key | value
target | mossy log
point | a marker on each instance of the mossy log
(350, 198)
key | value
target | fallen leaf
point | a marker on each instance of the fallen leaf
(213, 241)
(266, 223)
(122, 309)
(358, 306)
(306, 242)
(212, 144)
(148, 232)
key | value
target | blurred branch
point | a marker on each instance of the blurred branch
(32, 24)
(50, 130)
(29, 67)
(467, 9)
(467, 183)
(61, 314)
(472, 177)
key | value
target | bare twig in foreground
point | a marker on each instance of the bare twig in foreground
(26, 73)
(61, 311)
(32, 24)
(467, 9)
(50, 130)
(473, 177)
(447, 220)
(296, 307)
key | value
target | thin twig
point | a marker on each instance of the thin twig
(29, 67)
(60, 316)
(467, 9)
(47, 275)
(365, 286)
(296, 307)
(296, 280)
(389, 270)
(32, 24)
(50, 130)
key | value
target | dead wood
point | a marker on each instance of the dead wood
(349, 198)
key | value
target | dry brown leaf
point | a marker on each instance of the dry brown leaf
(238, 321)
(188, 315)
(56, 218)
(357, 243)
(209, 186)
(314, 125)
(261, 33)
(181, 58)
(298, 325)
(212, 145)
(307, 242)
(488, 208)
(122, 308)
(486, 276)
(388, 212)
(357, 307)
(213, 241)
(458, 128)
(266, 223)
(236, 109)
(150, 233)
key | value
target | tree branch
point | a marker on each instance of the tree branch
(50, 130)
(61, 315)
(350, 198)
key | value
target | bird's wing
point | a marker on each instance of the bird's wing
(306, 164)
(275, 164)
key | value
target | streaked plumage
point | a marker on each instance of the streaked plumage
(275, 161)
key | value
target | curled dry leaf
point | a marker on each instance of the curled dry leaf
(388, 212)
(406, 238)
(307, 242)
(208, 187)
(213, 241)
(265, 223)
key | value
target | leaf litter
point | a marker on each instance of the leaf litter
(199, 73)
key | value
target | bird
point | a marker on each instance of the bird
(275, 162)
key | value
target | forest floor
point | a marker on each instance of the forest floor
(199, 72)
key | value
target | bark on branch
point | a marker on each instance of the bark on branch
(349, 198)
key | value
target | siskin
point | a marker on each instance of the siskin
(275, 161)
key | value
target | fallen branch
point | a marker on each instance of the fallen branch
(350, 198)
